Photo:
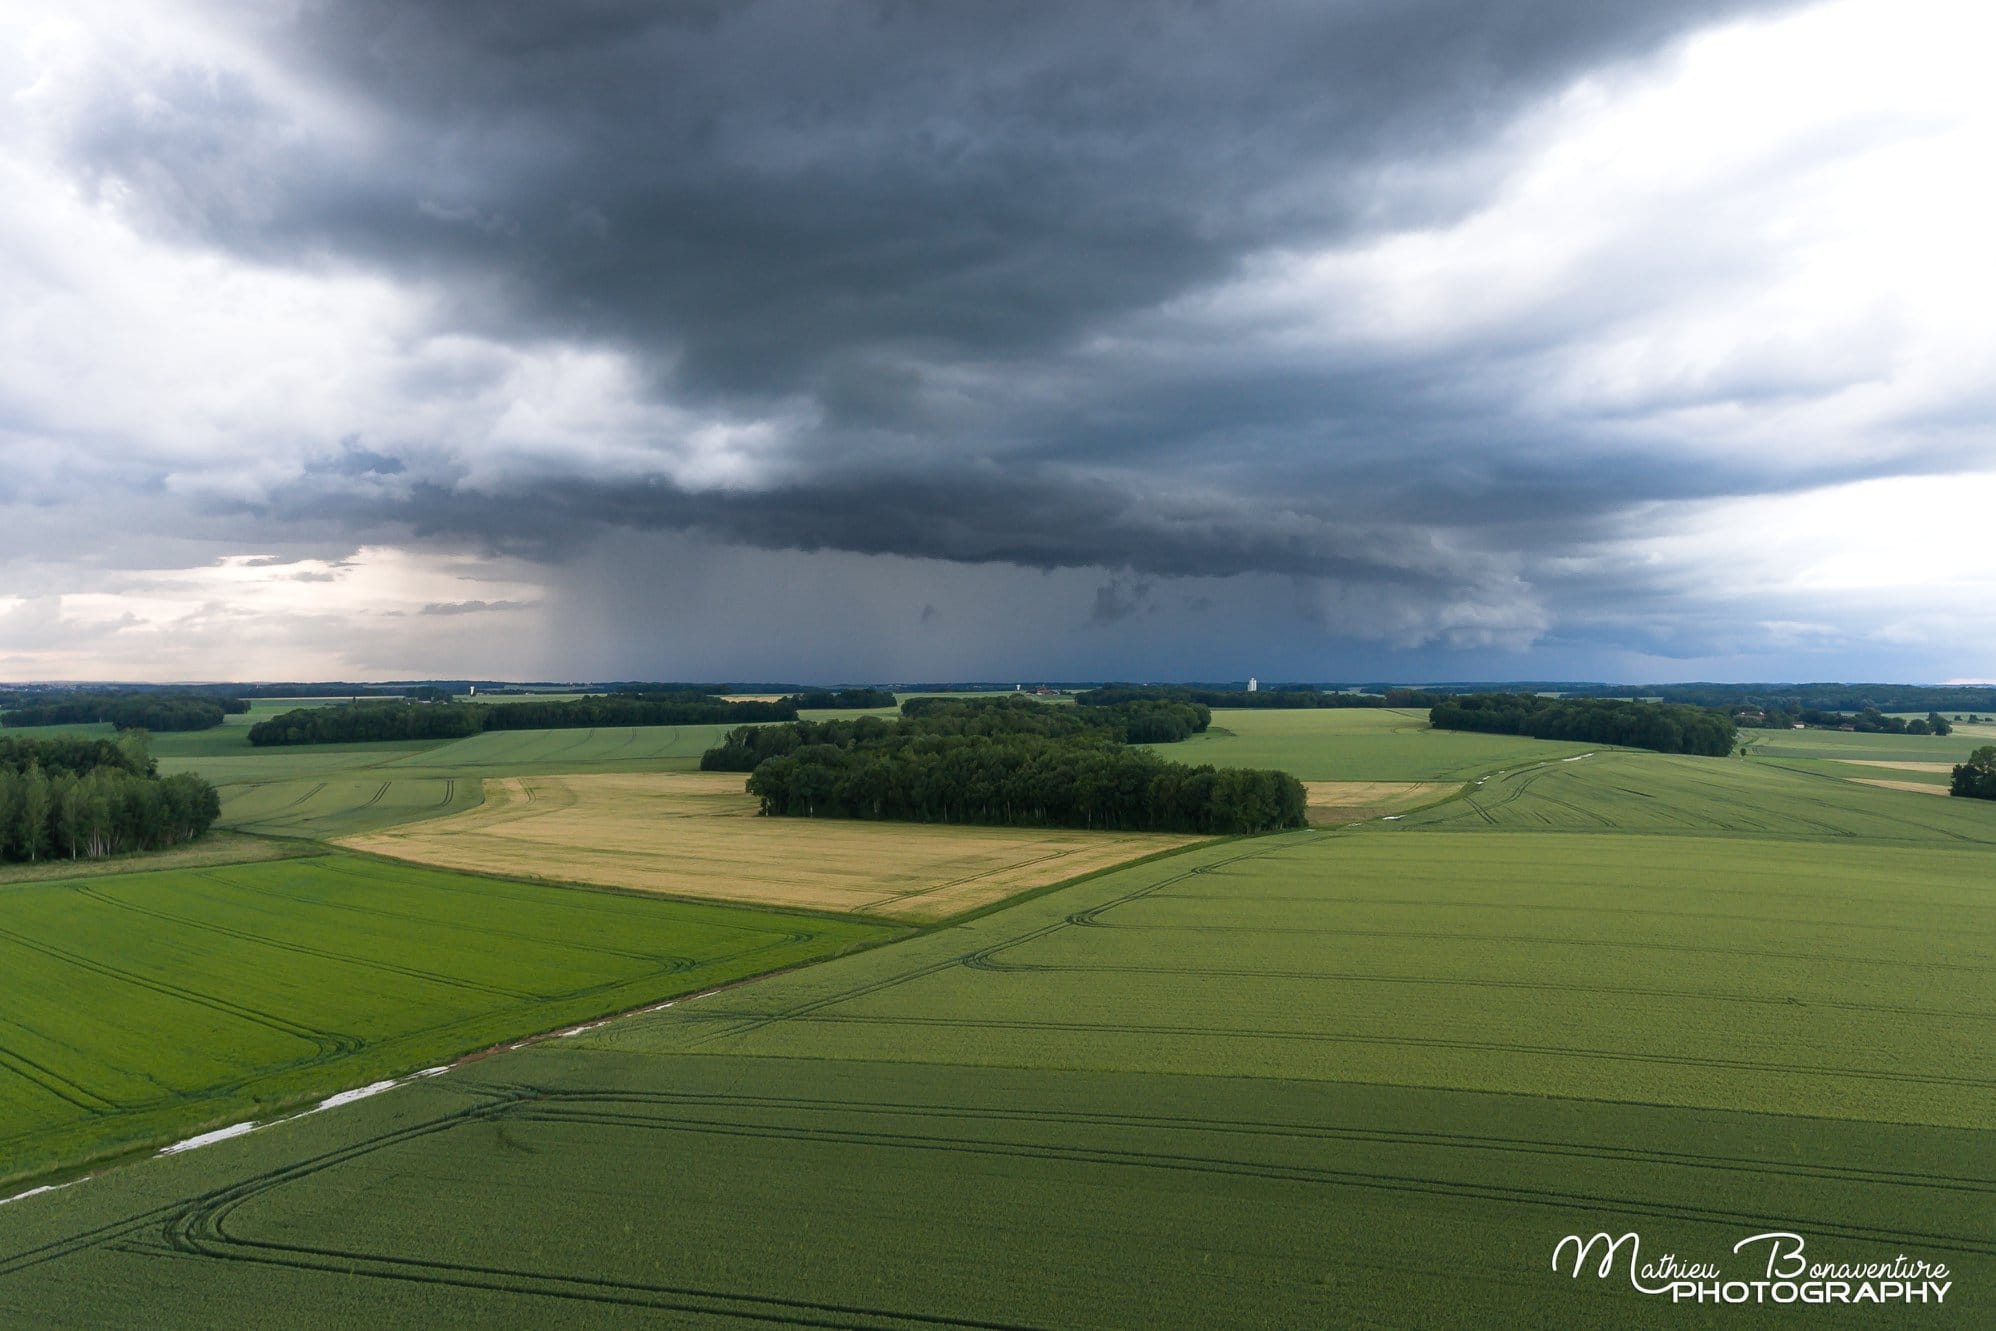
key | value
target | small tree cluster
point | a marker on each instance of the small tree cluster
(1008, 761)
(1976, 778)
(161, 711)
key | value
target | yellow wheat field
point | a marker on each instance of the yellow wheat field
(1336, 802)
(1917, 787)
(696, 834)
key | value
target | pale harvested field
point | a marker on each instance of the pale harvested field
(1917, 787)
(1337, 802)
(696, 834)
(1897, 767)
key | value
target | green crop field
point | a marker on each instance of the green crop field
(144, 1005)
(340, 805)
(1323, 1078)
(1355, 744)
(211, 849)
(324, 791)
(565, 1188)
(1799, 977)
(1627, 790)
(1951, 748)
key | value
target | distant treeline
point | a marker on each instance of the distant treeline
(1796, 698)
(75, 755)
(1664, 727)
(367, 721)
(1869, 721)
(1110, 695)
(440, 690)
(844, 699)
(1976, 778)
(821, 699)
(1148, 722)
(158, 710)
(1007, 761)
(78, 798)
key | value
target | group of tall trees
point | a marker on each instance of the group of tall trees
(1156, 720)
(1110, 695)
(82, 799)
(1664, 727)
(160, 710)
(1006, 761)
(1976, 778)
(383, 720)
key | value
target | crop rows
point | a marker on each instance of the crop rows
(742, 1191)
(146, 1004)
(1326, 1078)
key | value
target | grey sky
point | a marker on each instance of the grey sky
(1425, 339)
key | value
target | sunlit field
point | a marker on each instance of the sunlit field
(696, 834)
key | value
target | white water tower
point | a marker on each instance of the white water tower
(1252, 684)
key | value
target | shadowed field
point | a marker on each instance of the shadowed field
(1307, 1079)
(1341, 1077)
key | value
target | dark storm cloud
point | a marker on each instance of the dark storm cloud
(355, 460)
(764, 198)
(981, 515)
(962, 262)
(1117, 600)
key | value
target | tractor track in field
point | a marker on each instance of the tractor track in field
(72, 1093)
(1327, 931)
(294, 803)
(200, 1230)
(329, 1045)
(555, 1110)
(1815, 897)
(1434, 903)
(456, 926)
(301, 949)
(1454, 981)
(1392, 1041)
(750, 1023)
(209, 1227)
(202, 1227)
(816, 1106)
